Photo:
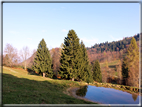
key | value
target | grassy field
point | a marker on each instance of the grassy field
(21, 88)
(111, 64)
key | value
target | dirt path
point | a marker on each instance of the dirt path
(72, 92)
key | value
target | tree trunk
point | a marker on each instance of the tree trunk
(43, 74)
(56, 74)
(72, 79)
(25, 65)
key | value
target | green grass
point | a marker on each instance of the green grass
(111, 64)
(21, 88)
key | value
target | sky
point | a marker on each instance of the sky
(25, 24)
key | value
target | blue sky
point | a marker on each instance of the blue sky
(25, 24)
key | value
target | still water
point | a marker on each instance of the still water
(107, 95)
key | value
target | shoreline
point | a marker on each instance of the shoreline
(72, 92)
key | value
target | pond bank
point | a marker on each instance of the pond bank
(72, 92)
(80, 93)
(128, 89)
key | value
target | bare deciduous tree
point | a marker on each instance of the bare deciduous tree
(12, 54)
(55, 54)
(25, 53)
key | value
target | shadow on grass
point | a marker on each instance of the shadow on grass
(31, 72)
(112, 66)
(25, 91)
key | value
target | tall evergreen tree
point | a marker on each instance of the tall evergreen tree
(85, 69)
(42, 61)
(70, 56)
(64, 68)
(97, 75)
(124, 69)
(132, 63)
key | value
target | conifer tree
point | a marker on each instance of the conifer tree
(97, 75)
(132, 63)
(124, 69)
(42, 61)
(85, 69)
(70, 56)
(64, 68)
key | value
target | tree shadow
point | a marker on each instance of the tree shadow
(31, 72)
(112, 66)
(114, 80)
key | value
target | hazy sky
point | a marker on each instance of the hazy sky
(25, 24)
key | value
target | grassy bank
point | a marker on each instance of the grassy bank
(118, 87)
(21, 88)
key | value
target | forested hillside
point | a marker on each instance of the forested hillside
(110, 51)
(113, 46)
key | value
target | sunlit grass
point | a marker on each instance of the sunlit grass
(112, 63)
(21, 88)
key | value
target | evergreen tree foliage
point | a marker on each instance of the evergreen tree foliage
(124, 69)
(97, 75)
(74, 59)
(70, 56)
(85, 69)
(132, 63)
(64, 68)
(42, 61)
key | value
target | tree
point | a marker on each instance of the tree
(64, 68)
(118, 68)
(97, 75)
(25, 53)
(61, 48)
(70, 56)
(106, 64)
(31, 61)
(42, 61)
(55, 60)
(132, 64)
(11, 54)
(6, 61)
(104, 75)
(85, 73)
(124, 69)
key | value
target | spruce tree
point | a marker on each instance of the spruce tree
(42, 61)
(132, 63)
(70, 56)
(85, 69)
(124, 69)
(97, 75)
(64, 68)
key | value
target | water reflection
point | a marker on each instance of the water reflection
(134, 96)
(107, 95)
(82, 91)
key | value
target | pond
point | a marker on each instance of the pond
(107, 95)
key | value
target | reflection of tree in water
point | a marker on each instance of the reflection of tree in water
(134, 96)
(82, 91)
